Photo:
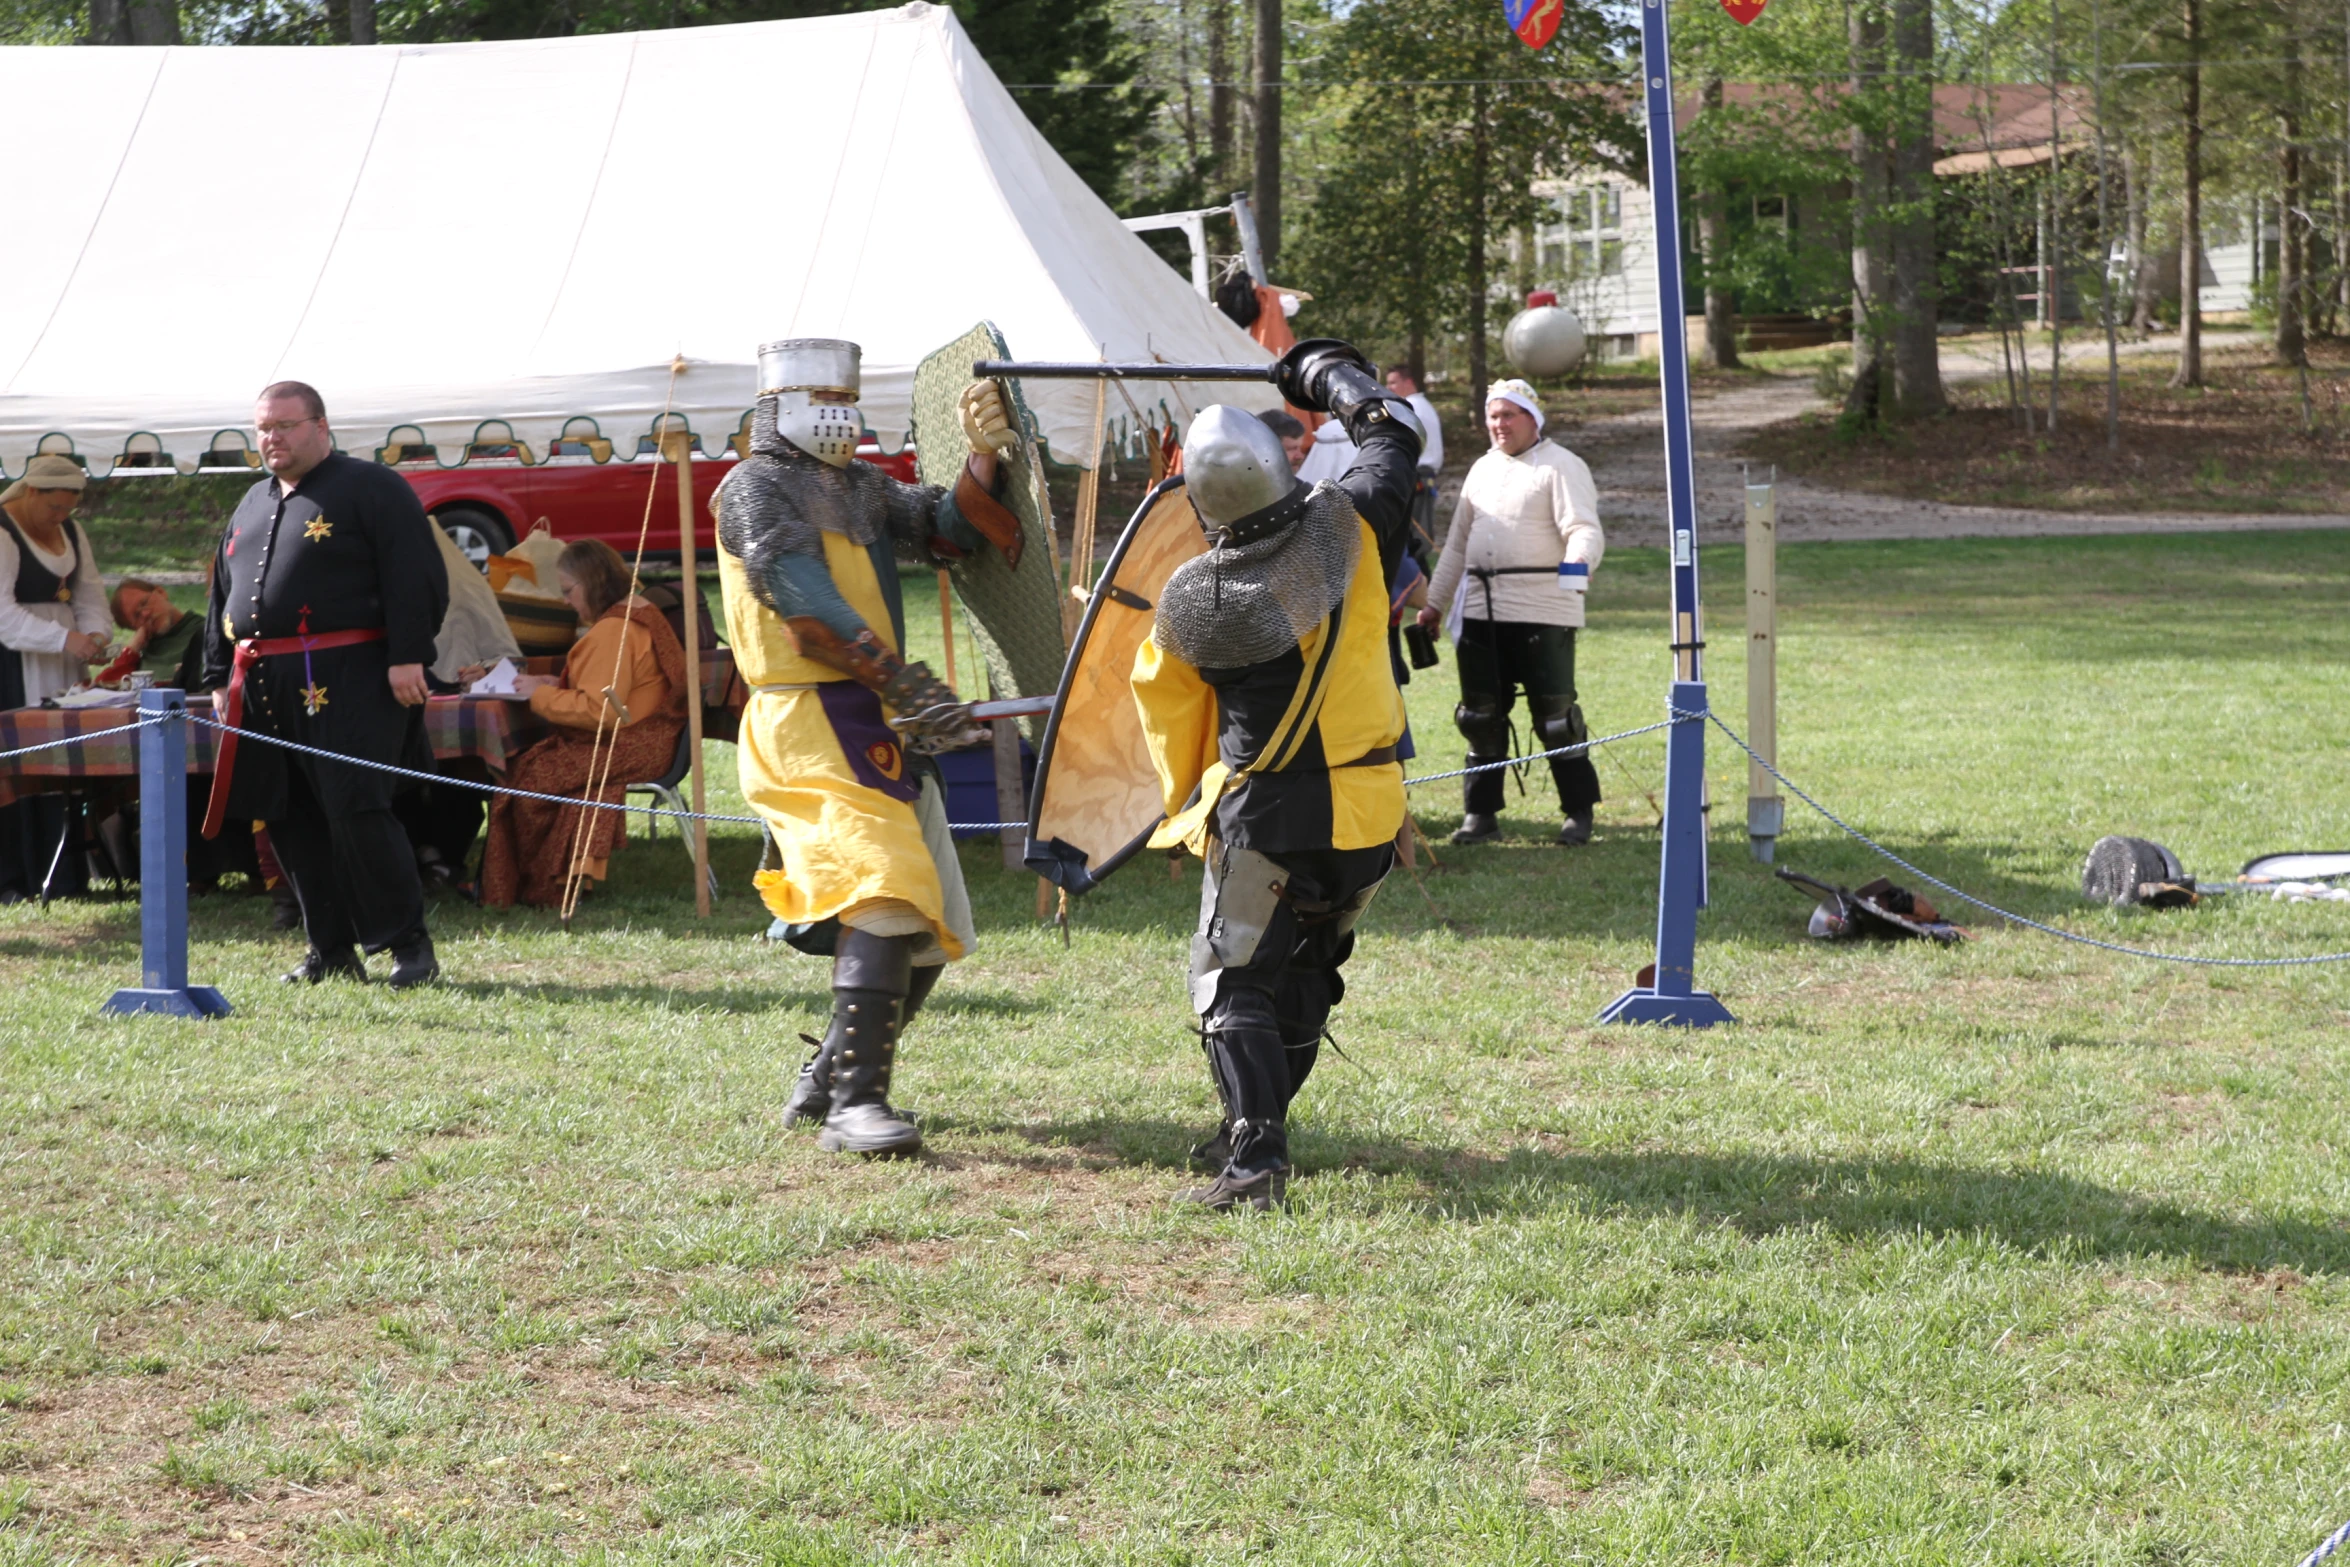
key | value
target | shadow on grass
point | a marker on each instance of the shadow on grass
(78, 928)
(1524, 889)
(2053, 1216)
(2048, 1215)
(807, 992)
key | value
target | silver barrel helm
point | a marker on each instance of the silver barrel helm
(814, 382)
(1234, 467)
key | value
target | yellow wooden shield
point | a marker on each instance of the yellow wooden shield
(1096, 797)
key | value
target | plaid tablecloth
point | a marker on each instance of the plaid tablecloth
(488, 729)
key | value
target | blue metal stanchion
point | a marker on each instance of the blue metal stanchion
(163, 868)
(1672, 995)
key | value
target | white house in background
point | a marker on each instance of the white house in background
(1599, 253)
(2239, 251)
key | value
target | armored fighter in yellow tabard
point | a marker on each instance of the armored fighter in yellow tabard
(834, 742)
(1272, 716)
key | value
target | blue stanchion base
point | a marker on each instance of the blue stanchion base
(1698, 1009)
(195, 1001)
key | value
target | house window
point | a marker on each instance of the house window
(1589, 241)
(1770, 212)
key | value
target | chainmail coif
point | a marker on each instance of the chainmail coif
(781, 500)
(1244, 604)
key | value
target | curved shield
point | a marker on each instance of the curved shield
(1015, 611)
(1096, 797)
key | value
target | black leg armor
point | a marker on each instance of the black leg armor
(1558, 720)
(1484, 721)
(811, 1095)
(1273, 933)
(872, 985)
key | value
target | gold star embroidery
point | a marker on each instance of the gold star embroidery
(313, 698)
(318, 528)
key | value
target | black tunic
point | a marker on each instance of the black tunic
(349, 550)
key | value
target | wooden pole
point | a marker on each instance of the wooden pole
(1081, 536)
(1765, 811)
(946, 623)
(681, 452)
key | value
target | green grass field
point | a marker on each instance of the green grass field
(2018, 1253)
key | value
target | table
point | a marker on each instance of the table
(487, 729)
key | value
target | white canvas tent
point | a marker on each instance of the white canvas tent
(529, 232)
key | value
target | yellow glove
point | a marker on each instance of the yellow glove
(987, 423)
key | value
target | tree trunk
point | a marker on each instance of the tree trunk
(1713, 238)
(2052, 282)
(146, 22)
(1220, 95)
(1872, 174)
(1415, 247)
(1480, 173)
(2145, 281)
(154, 25)
(1917, 350)
(1267, 196)
(362, 21)
(2190, 371)
(2292, 255)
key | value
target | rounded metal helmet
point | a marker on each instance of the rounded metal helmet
(814, 382)
(1233, 466)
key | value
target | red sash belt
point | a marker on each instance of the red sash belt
(251, 651)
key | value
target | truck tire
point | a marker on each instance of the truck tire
(477, 531)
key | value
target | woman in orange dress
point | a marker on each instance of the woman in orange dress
(626, 670)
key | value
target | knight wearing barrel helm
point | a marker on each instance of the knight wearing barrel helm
(835, 741)
(1272, 717)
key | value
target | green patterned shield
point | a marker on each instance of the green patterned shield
(1016, 611)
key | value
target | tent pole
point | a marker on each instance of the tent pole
(681, 451)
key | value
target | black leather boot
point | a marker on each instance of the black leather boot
(872, 977)
(1476, 826)
(811, 1095)
(414, 964)
(317, 965)
(1245, 1053)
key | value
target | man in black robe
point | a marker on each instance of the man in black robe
(327, 593)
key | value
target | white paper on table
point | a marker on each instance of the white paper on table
(498, 682)
(96, 696)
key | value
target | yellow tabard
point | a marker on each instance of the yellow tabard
(826, 777)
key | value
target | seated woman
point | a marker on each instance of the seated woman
(624, 682)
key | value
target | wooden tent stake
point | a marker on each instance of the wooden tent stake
(681, 452)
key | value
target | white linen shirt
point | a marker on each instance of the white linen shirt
(37, 632)
(1432, 453)
(1533, 510)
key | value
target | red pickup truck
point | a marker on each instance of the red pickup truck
(491, 501)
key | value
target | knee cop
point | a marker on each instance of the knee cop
(1485, 725)
(1558, 720)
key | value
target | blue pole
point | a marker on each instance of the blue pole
(163, 868)
(1672, 995)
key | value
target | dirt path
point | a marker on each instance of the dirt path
(1627, 459)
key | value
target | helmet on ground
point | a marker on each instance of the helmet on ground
(814, 383)
(1234, 467)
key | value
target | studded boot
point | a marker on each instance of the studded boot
(811, 1095)
(872, 979)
